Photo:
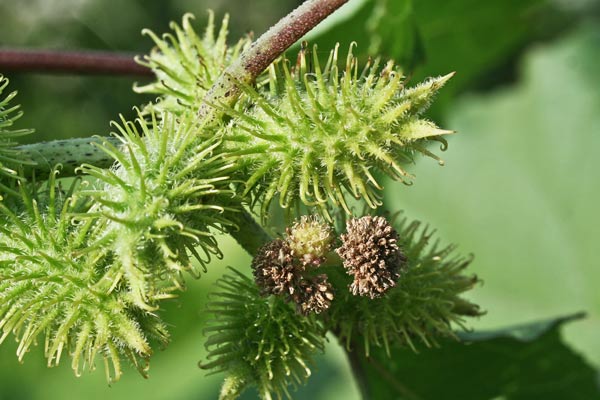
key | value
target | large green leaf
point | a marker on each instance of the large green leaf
(520, 189)
(430, 37)
(525, 362)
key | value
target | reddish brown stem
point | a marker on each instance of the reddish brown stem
(264, 51)
(285, 33)
(66, 62)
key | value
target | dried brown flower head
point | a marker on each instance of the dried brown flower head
(277, 271)
(371, 254)
(274, 269)
(315, 295)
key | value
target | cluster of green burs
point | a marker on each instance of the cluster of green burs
(85, 263)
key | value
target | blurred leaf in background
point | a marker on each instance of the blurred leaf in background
(482, 42)
(520, 189)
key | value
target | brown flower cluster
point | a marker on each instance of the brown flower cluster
(371, 255)
(285, 266)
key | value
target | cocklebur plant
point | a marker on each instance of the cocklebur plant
(423, 302)
(360, 122)
(88, 264)
(161, 201)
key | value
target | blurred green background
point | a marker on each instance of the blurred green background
(520, 188)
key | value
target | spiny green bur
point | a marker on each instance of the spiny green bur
(307, 136)
(161, 200)
(10, 159)
(259, 340)
(52, 283)
(91, 277)
(319, 134)
(424, 304)
(186, 64)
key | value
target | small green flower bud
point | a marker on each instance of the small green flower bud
(310, 240)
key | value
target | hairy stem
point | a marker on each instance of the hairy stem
(250, 234)
(232, 388)
(71, 153)
(71, 62)
(263, 52)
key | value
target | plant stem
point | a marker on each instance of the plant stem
(263, 52)
(71, 62)
(250, 234)
(71, 153)
(232, 388)
(250, 64)
(358, 371)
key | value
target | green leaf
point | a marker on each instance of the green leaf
(520, 189)
(525, 362)
(481, 43)
(429, 37)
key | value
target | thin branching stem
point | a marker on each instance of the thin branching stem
(263, 52)
(84, 62)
